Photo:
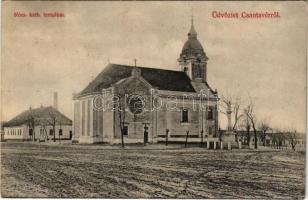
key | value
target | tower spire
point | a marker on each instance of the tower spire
(192, 16)
(192, 33)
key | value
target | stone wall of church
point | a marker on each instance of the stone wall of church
(76, 121)
(172, 119)
(104, 125)
(86, 119)
(134, 122)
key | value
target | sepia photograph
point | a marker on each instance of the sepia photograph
(164, 100)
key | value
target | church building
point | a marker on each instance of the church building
(146, 105)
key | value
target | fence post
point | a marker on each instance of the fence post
(201, 139)
(187, 132)
(167, 133)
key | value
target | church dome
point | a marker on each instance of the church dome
(192, 47)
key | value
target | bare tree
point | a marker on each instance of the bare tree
(249, 112)
(53, 120)
(43, 122)
(264, 127)
(236, 113)
(121, 109)
(292, 136)
(277, 138)
(226, 104)
(31, 123)
(246, 126)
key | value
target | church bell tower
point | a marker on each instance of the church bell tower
(193, 59)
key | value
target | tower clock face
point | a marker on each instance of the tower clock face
(136, 104)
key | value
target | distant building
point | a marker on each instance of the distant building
(2, 131)
(44, 123)
(272, 139)
(143, 87)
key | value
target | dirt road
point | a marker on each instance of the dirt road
(32, 170)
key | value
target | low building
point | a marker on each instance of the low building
(44, 123)
(1, 131)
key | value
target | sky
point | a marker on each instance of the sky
(264, 59)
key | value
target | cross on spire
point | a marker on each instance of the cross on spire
(135, 61)
(136, 71)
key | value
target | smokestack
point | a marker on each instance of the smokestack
(55, 100)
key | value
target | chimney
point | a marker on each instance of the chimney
(55, 100)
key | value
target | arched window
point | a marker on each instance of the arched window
(197, 70)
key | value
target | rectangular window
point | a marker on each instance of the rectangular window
(125, 130)
(60, 131)
(30, 132)
(210, 130)
(184, 115)
(210, 114)
(50, 131)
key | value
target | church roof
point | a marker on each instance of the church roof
(192, 46)
(40, 115)
(159, 78)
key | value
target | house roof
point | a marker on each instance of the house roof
(39, 115)
(159, 78)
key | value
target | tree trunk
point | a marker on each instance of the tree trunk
(54, 132)
(256, 139)
(122, 138)
(33, 133)
(248, 137)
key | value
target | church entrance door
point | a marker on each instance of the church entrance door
(145, 137)
(145, 134)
